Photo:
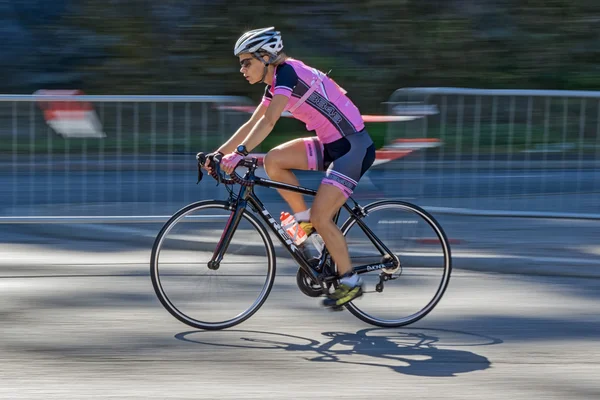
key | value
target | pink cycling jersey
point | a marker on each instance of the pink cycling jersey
(316, 100)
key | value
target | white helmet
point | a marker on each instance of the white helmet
(267, 39)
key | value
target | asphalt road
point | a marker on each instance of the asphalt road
(81, 320)
(74, 331)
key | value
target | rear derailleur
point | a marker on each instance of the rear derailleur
(383, 277)
(388, 274)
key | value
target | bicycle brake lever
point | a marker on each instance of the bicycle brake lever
(218, 170)
(199, 173)
(200, 158)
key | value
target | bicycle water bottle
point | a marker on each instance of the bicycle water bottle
(289, 223)
(318, 243)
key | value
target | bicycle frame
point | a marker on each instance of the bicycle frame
(247, 196)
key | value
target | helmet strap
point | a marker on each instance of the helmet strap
(264, 74)
(257, 55)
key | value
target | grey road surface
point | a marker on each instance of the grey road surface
(80, 318)
(160, 185)
(79, 331)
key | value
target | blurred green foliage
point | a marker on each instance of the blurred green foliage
(373, 46)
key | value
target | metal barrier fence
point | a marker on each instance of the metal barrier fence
(503, 152)
(140, 160)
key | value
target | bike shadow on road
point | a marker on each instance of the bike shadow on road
(410, 351)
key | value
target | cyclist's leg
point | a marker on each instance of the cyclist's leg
(302, 154)
(357, 156)
(327, 202)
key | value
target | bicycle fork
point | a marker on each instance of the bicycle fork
(237, 209)
(230, 228)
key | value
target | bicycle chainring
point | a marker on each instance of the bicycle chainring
(307, 284)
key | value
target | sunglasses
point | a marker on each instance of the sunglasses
(245, 63)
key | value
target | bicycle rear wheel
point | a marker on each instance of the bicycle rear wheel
(419, 243)
(201, 297)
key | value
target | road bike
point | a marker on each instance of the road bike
(213, 262)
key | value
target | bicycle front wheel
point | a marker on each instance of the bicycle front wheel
(416, 239)
(205, 298)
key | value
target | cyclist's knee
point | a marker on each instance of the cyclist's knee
(320, 216)
(272, 161)
(283, 158)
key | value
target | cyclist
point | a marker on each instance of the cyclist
(342, 146)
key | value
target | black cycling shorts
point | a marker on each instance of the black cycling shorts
(345, 160)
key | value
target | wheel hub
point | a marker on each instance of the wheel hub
(214, 265)
(387, 258)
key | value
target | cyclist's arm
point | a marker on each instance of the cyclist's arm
(266, 123)
(243, 131)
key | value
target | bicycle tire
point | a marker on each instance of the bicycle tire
(155, 269)
(447, 268)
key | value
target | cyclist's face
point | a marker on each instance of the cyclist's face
(251, 68)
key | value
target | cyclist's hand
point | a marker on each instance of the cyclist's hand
(209, 160)
(230, 161)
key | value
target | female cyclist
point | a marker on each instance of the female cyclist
(342, 147)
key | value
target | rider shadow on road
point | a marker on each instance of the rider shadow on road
(410, 351)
